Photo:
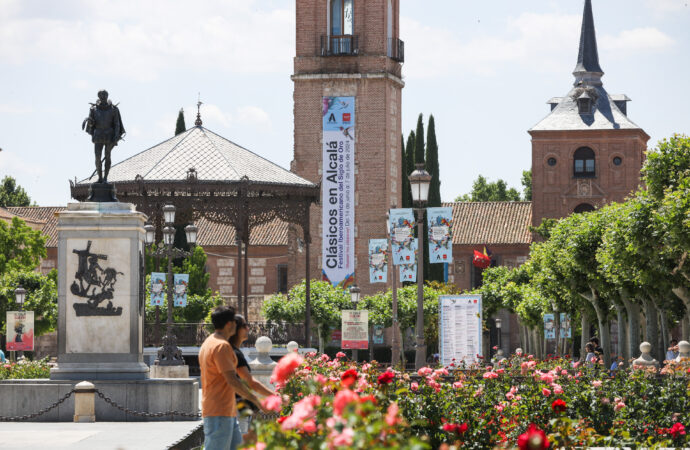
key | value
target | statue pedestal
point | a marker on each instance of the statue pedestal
(100, 293)
(101, 193)
(158, 371)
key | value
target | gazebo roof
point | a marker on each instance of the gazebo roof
(213, 158)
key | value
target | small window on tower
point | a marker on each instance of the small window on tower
(584, 165)
(551, 161)
(584, 103)
(342, 17)
(617, 161)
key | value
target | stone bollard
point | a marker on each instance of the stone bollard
(683, 352)
(84, 402)
(292, 346)
(645, 359)
(262, 367)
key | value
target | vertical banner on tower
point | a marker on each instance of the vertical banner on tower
(440, 226)
(20, 331)
(338, 191)
(180, 291)
(408, 272)
(401, 225)
(157, 288)
(378, 260)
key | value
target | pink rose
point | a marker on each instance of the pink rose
(510, 396)
(309, 426)
(457, 385)
(343, 439)
(286, 367)
(424, 371)
(340, 355)
(545, 392)
(557, 389)
(619, 406)
(342, 399)
(596, 383)
(272, 403)
(301, 411)
(414, 386)
(392, 415)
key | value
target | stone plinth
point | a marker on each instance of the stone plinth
(645, 359)
(157, 371)
(262, 367)
(100, 293)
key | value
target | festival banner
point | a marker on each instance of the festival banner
(408, 272)
(180, 291)
(355, 329)
(440, 226)
(338, 191)
(566, 329)
(460, 328)
(401, 225)
(549, 326)
(20, 331)
(377, 336)
(157, 289)
(378, 260)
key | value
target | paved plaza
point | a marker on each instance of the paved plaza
(92, 436)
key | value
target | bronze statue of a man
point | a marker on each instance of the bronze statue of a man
(104, 124)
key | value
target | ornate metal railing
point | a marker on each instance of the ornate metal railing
(193, 334)
(339, 45)
(396, 49)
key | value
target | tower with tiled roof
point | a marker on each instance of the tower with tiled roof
(586, 152)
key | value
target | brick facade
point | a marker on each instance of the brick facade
(374, 80)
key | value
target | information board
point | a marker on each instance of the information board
(355, 329)
(460, 328)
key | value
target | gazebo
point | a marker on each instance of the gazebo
(205, 175)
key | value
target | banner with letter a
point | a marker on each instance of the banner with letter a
(378, 260)
(401, 225)
(408, 272)
(338, 191)
(440, 226)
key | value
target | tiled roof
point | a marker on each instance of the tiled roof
(41, 214)
(479, 223)
(213, 157)
(268, 234)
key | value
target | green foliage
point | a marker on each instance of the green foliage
(25, 370)
(326, 303)
(404, 182)
(41, 298)
(419, 147)
(409, 162)
(667, 165)
(544, 228)
(527, 185)
(180, 126)
(494, 191)
(21, 247)
(432, 164)
(11, 194)
(195, 266)
(198, 309)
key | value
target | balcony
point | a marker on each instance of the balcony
(396, 50)
(340, 45)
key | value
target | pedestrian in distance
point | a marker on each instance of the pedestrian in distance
(219, 384)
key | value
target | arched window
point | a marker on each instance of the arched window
(342, 17)
(583, 207)
(583, 164)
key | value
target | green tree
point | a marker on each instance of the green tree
(409, 161)
(11, 194)
(435, 271)
(527, 185)
(180, 126)
(419, 147)
(404, 182)
(41, 298)
(195, 266)
(21, 247)
(326, 303)
(486, 191)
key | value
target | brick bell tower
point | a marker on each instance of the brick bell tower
(347, 100)
(586, 152)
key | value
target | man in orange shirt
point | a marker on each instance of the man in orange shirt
(219, 382)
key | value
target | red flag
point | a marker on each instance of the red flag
(481, 260)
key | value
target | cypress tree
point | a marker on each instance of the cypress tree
(180, 126)
(432, 166)
(419, 142)
(409, 162)
(404, 182)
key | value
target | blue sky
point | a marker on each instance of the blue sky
(484, 69)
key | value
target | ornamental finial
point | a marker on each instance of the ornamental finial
(198, 121)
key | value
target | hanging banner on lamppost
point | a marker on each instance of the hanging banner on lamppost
(378, 260)
(460, 328)
(355, 329)
(566, 328)
(408, 272)
(440, 226)
(157, 289)
(20, 331)
(180, 291)
(401, 225)
(338, 191)
(549, 326)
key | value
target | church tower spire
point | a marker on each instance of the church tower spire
(588, 69)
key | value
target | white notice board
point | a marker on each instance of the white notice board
(460, 328)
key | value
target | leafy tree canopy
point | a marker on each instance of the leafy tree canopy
(21, 247)
(11, 194)
(41, 298)
(490, 191)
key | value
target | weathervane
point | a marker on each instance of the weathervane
(198, 122)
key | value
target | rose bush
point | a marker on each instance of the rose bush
(24, 369)
(519, 402)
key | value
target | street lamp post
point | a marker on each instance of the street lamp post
(395, 350)
(419, 185)
(355, 292)
(20, 296)
(498, 328)
(169, 353)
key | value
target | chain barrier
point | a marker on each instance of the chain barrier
(132, 412)
(38, 413)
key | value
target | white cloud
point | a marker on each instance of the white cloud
(8, 108)
(215, 117)
(141, 40)
(668, 6)
(638, 39)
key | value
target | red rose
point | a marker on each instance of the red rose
(386, 377)
(533, 439)
(558, 406)
(677, 430)
(462, 428)
(348, 377)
